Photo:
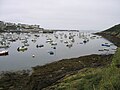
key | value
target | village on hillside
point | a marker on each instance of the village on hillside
(13, 27)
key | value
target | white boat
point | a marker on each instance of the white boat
(4, 46)
(65, 41)
(24, 41)
(12, 39)
(54, 43)
(69, 45)
(72, 40)
(49, 40)
(26, 44)
(3, 53)
(23, 48)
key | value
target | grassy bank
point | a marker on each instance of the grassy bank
(102, 78)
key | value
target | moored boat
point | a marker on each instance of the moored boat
(54, 43)
(23, 48)
(107, 45)
(49, 40)
(51, 52)
(69, 45)
(4, 46)
(39, 46)
(3, 53)
(36, 35)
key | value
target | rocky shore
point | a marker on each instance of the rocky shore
(49, 74)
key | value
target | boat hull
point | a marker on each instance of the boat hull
(4, 53)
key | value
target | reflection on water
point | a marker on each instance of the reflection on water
(26, 50)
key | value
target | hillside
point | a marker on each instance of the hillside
(115, 28)
(112, 34)
(114, 31)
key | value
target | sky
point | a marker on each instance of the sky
(62, 14)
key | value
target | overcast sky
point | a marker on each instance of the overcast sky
(62, 14)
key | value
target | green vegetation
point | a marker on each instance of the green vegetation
(107, 78)
(114, 31)
(112, 34)
(115, 28)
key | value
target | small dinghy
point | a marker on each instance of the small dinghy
(39, 46)
(107, 45)
(51, 52)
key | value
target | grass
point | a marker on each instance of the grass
(111, 75)
(102, 78)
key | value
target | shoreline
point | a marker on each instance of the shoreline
(46, 75)
(31, 69)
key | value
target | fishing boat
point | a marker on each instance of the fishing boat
(3, 53)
